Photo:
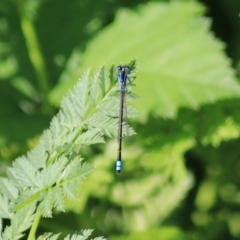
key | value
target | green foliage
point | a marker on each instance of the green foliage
(20, 222)
(181, 64)
(180, 169)
(166, 233)
(180, 61)
(77, 236)
(53, 170)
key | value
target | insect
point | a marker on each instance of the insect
(123, 72)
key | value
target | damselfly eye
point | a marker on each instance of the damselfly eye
(126, 68)
(119, 68)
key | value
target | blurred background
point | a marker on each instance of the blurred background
(181, 177)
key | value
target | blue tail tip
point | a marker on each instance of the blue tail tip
(118, 166)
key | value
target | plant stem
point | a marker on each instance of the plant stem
(34, 227)
(35, 54)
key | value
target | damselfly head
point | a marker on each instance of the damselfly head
(123, 69)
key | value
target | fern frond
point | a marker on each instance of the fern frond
(94, 94)
(81, 122)
(50, 174)
(73, 175)
(54, 170)
(8, 189)
(23, 173)
(76, 103)
(4, 207)
(37, 156)
(58, 199)
(48, 236)
(53, 198)
(20, 222)
(91, 136)
(83, 235)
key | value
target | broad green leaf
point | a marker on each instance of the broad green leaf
(180, 61)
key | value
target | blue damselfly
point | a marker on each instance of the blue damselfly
(123, 72)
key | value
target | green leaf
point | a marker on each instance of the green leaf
(48, 236)
(23, 173)
(181, 64)
(166, 233)
(80, 236)
(58, 199)
(83, 235)
(8, 189)
(73, 175)
(4, 207)
(53, 170)
(46, 205)
(20, 222)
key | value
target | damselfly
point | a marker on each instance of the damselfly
(123, 72)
